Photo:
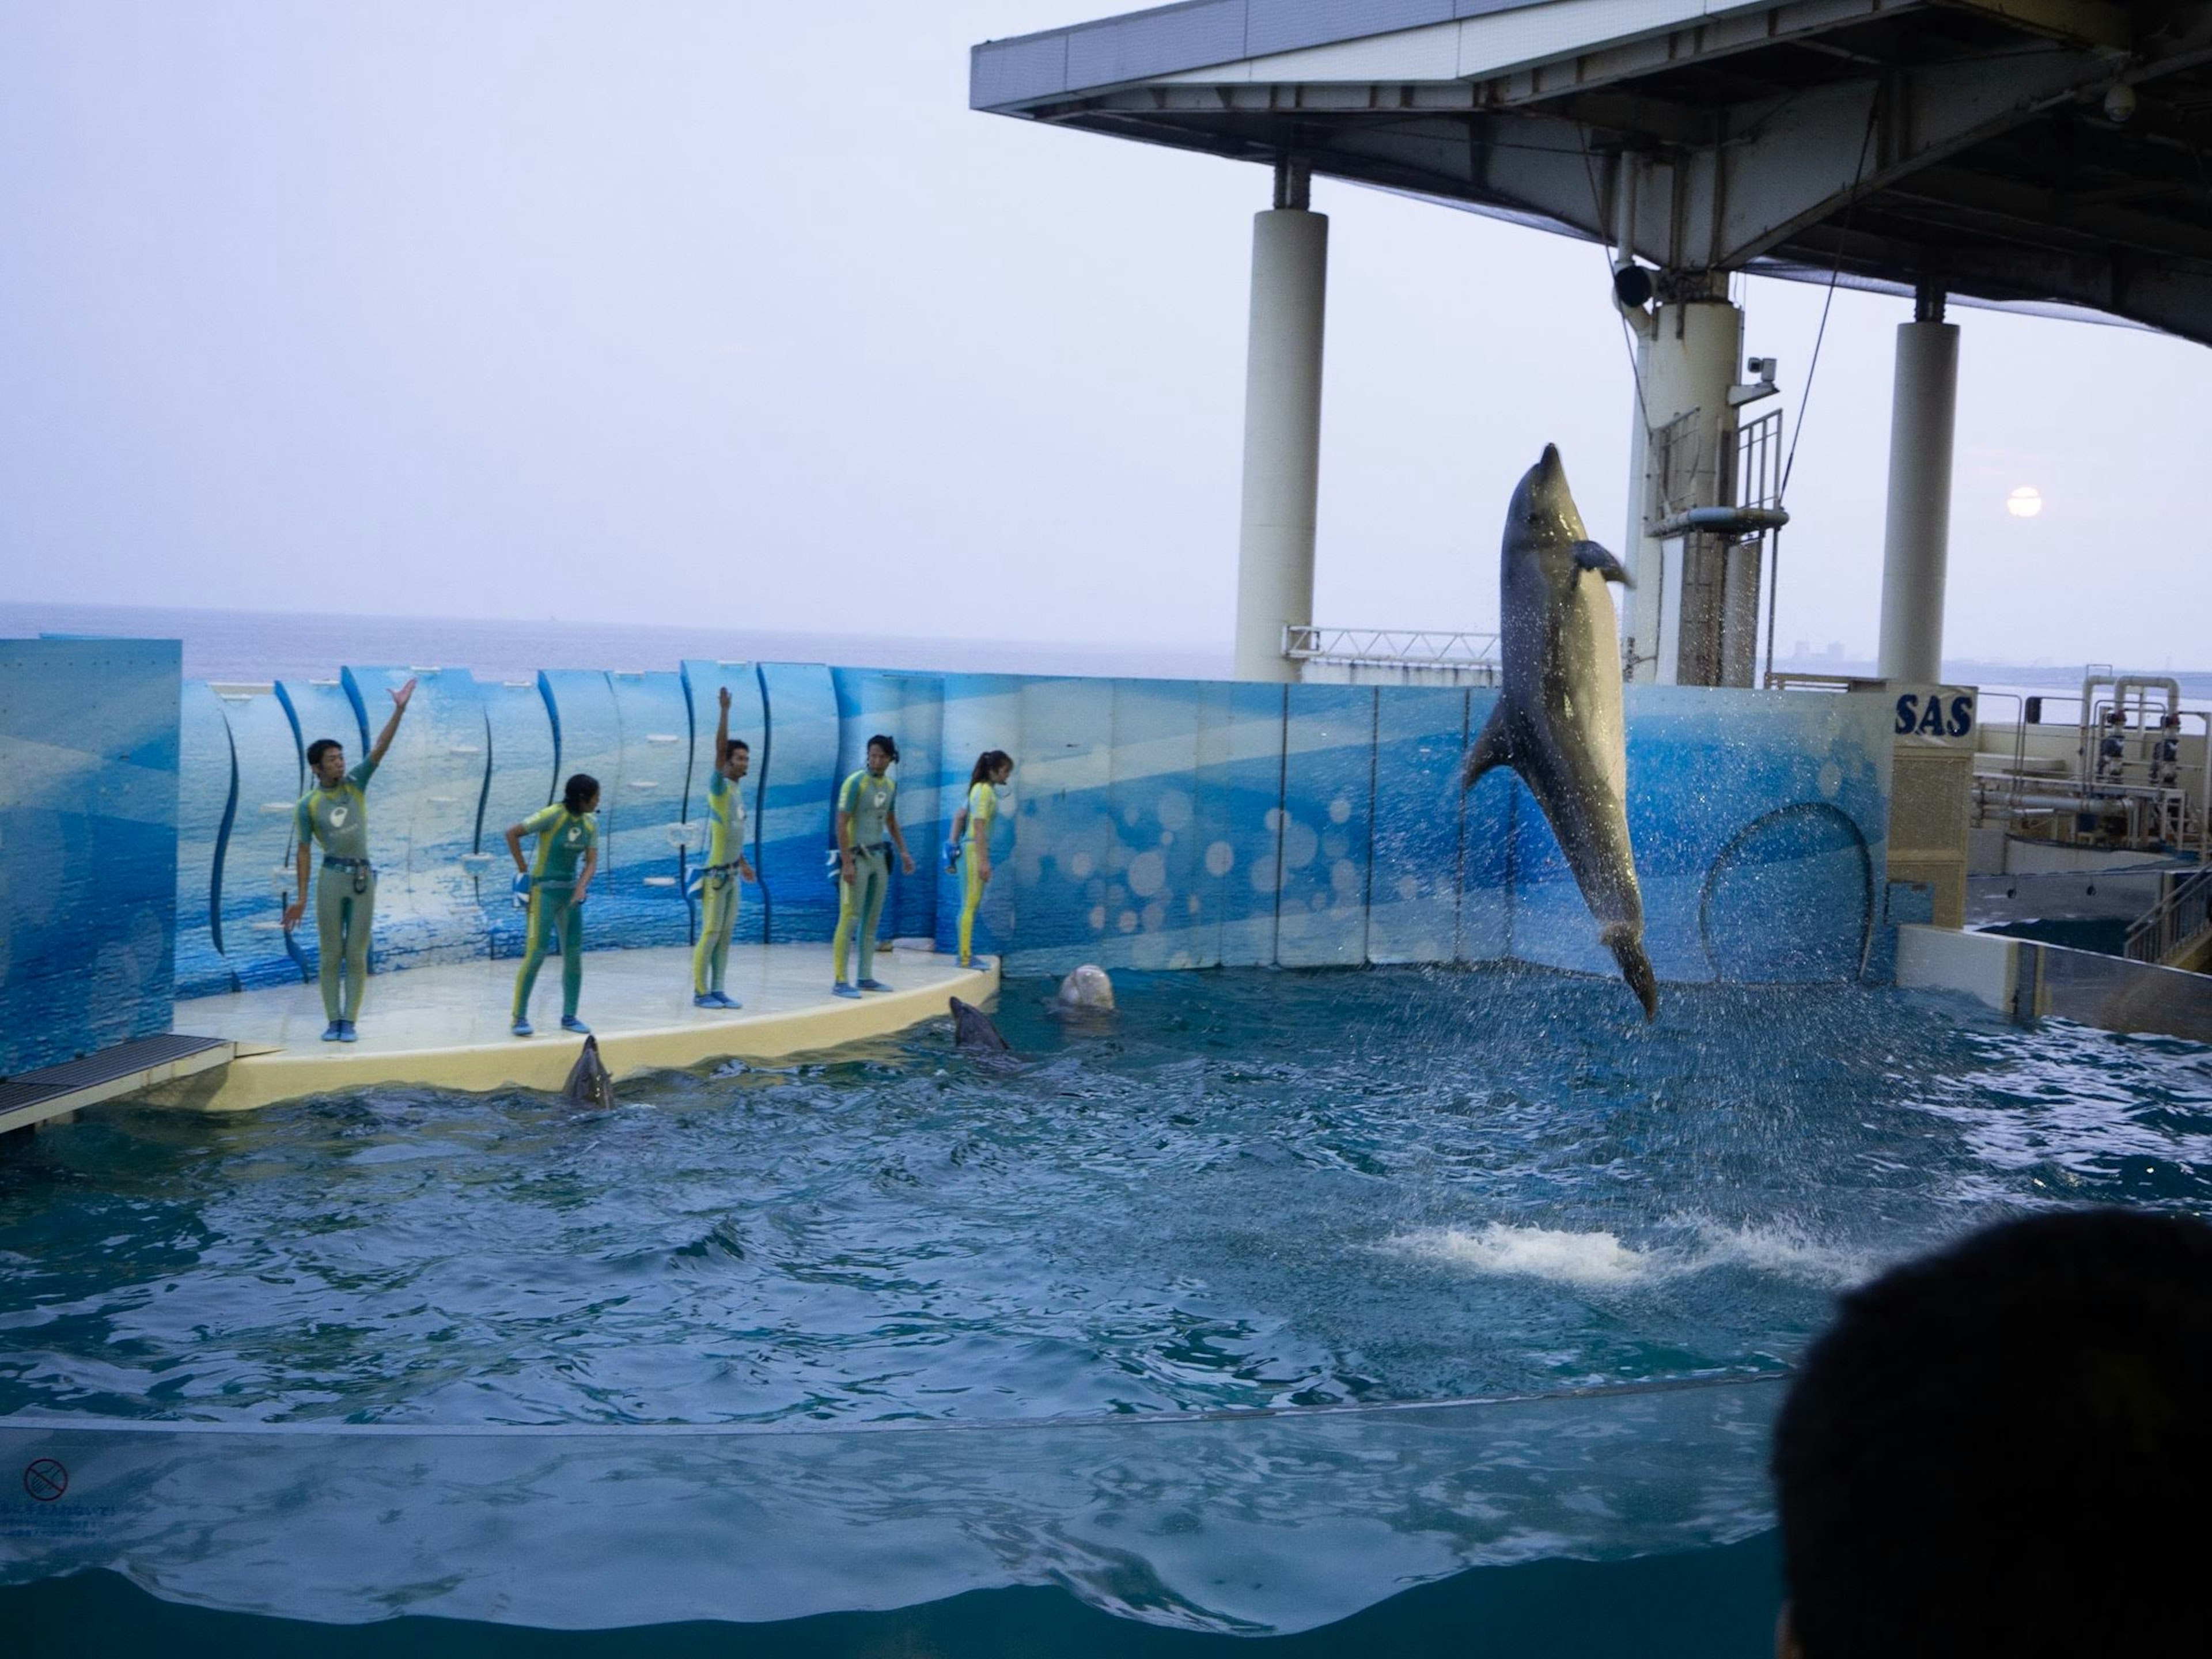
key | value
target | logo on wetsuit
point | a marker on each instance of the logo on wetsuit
(338, 817)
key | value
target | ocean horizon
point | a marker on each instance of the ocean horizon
(250, 647)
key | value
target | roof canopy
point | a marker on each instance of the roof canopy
(2038, 151)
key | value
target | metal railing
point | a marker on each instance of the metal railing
(2176, 920)
(1391, 647)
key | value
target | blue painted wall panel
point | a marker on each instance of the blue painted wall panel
(1152, 823)
(1152, 806)
(643, 895)
(207, 802)
(89, 744)
(258, 865)
(703, 681)
(1069, 889)
(1328, 775)
(798, 777)
(1236, 819)
(322, 709)
(523, 750)
(422, 806)
(1421, 737)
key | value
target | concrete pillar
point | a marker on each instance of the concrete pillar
(1282, 427)
(1686, 363)
(1916, 544)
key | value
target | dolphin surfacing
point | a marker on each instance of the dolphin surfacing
(588, 1083)
(1558, 720)
(972, 1029)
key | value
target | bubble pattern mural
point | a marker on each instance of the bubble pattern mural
(1151, 824)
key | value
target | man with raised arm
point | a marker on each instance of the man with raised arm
(335, 814)
(725, 865)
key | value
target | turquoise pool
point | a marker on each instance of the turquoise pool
(1288, 1304)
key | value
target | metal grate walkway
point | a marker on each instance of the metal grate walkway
(31, 1097)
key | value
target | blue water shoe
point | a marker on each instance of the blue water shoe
(570, 1022)
(335, 1032)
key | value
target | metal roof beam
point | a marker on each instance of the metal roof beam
(2079, 22)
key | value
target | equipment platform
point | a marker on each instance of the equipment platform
(445, 1025)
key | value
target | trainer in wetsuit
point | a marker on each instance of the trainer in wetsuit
(725, 865)
(867, 828)
(558, 878)
(975, 817)
(334, 815)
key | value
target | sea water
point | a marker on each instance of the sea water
(1262, 1220)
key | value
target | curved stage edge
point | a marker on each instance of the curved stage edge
(445, 1026)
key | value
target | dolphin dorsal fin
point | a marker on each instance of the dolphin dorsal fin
(1493, 748)
(1589, 556)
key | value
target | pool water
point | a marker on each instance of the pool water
(1250, 1192)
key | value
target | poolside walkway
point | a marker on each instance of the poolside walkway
(447, 1025)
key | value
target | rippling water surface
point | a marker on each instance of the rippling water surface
(1253, 1189)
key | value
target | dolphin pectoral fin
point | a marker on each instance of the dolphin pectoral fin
(1627, 948)
(1493, 748)
(1589, 556)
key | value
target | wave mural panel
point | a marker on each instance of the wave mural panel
(424, 803)
(702, 680)
(207, 802)
(1420, 736)
(641, 854)
(89, 746)
(798, 776)
(257, 867)
(523, 751)
(1329, 785)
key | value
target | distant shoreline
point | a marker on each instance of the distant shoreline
(261, 645)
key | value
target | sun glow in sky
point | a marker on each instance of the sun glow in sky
(2025, 502)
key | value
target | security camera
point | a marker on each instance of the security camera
(1631, 285)
(1762, 366)
(2120, 103)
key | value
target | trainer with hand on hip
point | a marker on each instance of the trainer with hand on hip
(335, 815)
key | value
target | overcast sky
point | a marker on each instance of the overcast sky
(668, 310)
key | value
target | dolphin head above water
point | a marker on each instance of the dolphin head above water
(589, 1083)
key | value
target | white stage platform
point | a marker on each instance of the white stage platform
(447, 1025)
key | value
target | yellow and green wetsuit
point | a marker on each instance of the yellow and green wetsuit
(336, 820)
(718, 899)
(563, 838)
(982, 812)
(870, 800)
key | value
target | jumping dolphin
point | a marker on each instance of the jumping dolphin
(972, 1029)
(588, 1083)
(1557, 720)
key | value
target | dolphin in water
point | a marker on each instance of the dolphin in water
(972, 1029)
(1557, 720)
(1087, 990)
(588, 1083)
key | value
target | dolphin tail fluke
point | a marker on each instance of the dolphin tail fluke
(1627, 947)
(1493, 748)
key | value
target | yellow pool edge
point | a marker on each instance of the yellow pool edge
(543, 1062)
